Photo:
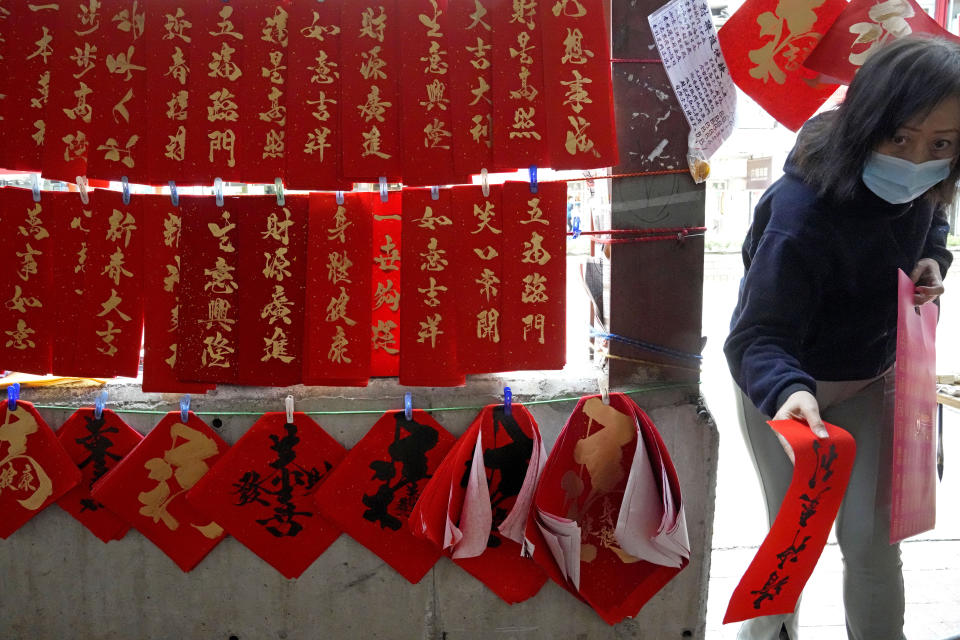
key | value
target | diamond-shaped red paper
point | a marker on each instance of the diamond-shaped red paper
(34, 469)
(148, 488)
(262, 491)
(371, 493)
(95, 445)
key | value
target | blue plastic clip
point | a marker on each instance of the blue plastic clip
(281, 198)
(13, 394)
(35, 185)
(576, 227)
(185, 408)
(98, 404)
(507, 401)
(339, 197)
(83, 186)
(533, 179)
(126, 189)
(218, 190)
(434, 193)
(408, 405)
(174, 196)
(383, 188)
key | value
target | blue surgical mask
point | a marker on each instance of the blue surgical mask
(898, 181)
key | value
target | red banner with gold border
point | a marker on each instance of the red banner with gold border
(386, 286)
(71, 235)
(471, 46)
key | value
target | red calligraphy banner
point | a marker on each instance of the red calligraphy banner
(262, 491)
(218, 105)
(170, 58)
(578, 85)
(271, 276)
(428, 332)
(471, 58)
(163, 224)
(71, 236)
(339, 251)
(426, 93)
(28, 61)
(534, 263)
(148, 488)
(765, 55)
(519, 107)
(35, 469)
(385, 322)
(370, 94)
(263, 91)
(209, 300)
(314, 159)
(28, 326)
(95, 444)
(117, 134)
(479, 268)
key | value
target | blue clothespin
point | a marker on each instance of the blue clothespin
(82, 186)
(339, 195)
(507, 401)
(576, 227)
(126, 189)
(383, 188)
(533, 178)
(408, 405)
(185, 408)
(434, 193)
(218, 190)
(174, 196)
(13, 394)
(278, 186)
(98, 404)
(35, 185)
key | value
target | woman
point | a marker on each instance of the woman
(813, 336)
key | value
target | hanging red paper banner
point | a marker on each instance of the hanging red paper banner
(370, 93)
(534, 262)
(34, 469)
(577, 77)
(428, 332)
(788, 555)
(262, 491)
(471, 97)
(163, 223)
(109, 334)
(371, 493)
(272, 271)
(79, 69)
(264, 88)
(117, 144)
(218, 104)
(148, 488)
(28, 326)
(71, 239)
(95, 445)
(765, 54)
(425, 93)
(519, 108)
(913, 493)
(479, 269)
(169, 54)
(339, 252)
(28, 61)
(385, 322)
(861, 28)
(313, 110)
(209, 300)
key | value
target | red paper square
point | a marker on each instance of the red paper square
(371, 493)
(95, 445)
(34, 469)
(261, 491)
(148, 488)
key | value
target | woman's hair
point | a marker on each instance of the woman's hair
(902, 80)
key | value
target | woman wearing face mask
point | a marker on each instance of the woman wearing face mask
(813, 336)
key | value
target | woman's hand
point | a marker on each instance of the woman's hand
(801, 406)
(926, 275)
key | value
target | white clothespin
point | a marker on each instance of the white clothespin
(185, 408)
(278, 186)
(339, 196)
(218, 190)
(35, 185)
(126, 189)
(383, 188)
(604, 383)
(484, 183)
(98, 404)
(288, 403)
(434, 193)
(83, 186)
(174, 196)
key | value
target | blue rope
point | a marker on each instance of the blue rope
(648, 346)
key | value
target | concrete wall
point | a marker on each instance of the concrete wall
(57, 581)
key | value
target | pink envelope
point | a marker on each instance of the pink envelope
(914, 488)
